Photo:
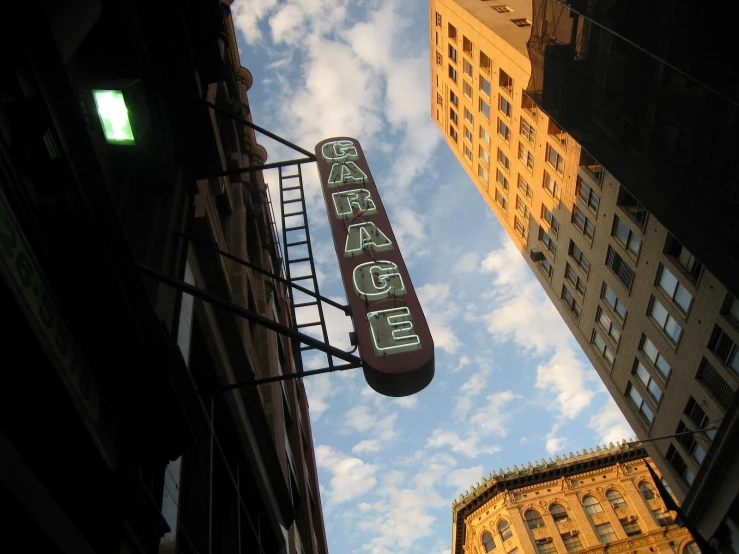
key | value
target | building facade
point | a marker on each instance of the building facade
(115, 429)
(660, 327)
(598, 501)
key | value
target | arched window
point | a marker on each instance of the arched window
(558, 512)
(592, 506)
(615, 498)
(533, 518)
(691, 548)
(488, 541)
(647, 490)
(505, 530)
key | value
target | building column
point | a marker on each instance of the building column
(642, 509)
(520, 528)
(554, 532)
(577, 513)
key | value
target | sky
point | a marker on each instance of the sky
(511, 383)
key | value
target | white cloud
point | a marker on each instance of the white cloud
(247, 15)
(406, 401)
(491, 418)
(440, 313)
(554, 443)
(363, 419)
(463, 479)
(470, 447)
(463, 362)
(367, 446)
(350, 477)
(610, 424)
(468, 263)
(525, 315)
(319, 389)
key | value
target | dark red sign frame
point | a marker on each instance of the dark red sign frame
(390, 370)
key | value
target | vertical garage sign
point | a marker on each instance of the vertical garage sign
(395, 344)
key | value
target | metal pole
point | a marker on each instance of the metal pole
(272, 165)
(284, 377)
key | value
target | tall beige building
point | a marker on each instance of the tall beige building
(659, 328)
(602, 501)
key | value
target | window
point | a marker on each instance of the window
(467, 46)
(524, 187)
(691, 444)
(467, 89)
(505, 82)
(482, 173)
(570, 302)
(550, 219)
(613, 302)
(591, 504)
(663, 320)
(520, 228)
(528, 131)
(723, 346)
(546, 547)
(605, 322)
(587, 194)
(616, 263)
(505, 530)
(557, 133)
(439, 99)
(504, 131)
(626, 236)
(438, 19)
(698, 417)
(731, 309)
(522, 208)
(504, 106)
(691, 548)
(452, 73)
(502, 179)
(646, 379)
(501, 9)
(682, 469)
(615, 498)
(572, 276)
(712, 380)
(468, 116)
(582, 222)
(534, 519)
(484, 156)
(687, 261)
(488, 541)
(452, 53)
(555, 160)
(485, 108)
(467, 68)
(453, 133)
(500, 199)
(646, 489)
(572, 542)
(468, 135)
(467, 153)
(603, 349)
(485, 86)
(558, 512)
(639, 403)
(503, 160)
(486, 64)
(453, 115)
(605, 532)
(579, 258)
(544, 238)
(546, 266)
(521, 22)
(525, 155)
(528, 104)
(551, 186)
(655, 357)
(674, 289)
(631, 526)
(484, 136)
(453, 98)
(664, 519)
(439, 59)
(452, 32)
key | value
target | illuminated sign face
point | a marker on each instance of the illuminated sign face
(394, 340)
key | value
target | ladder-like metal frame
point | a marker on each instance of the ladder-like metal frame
(297, 196)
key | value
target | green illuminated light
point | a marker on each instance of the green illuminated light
(113, 115)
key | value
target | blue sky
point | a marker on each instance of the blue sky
(511, 383)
